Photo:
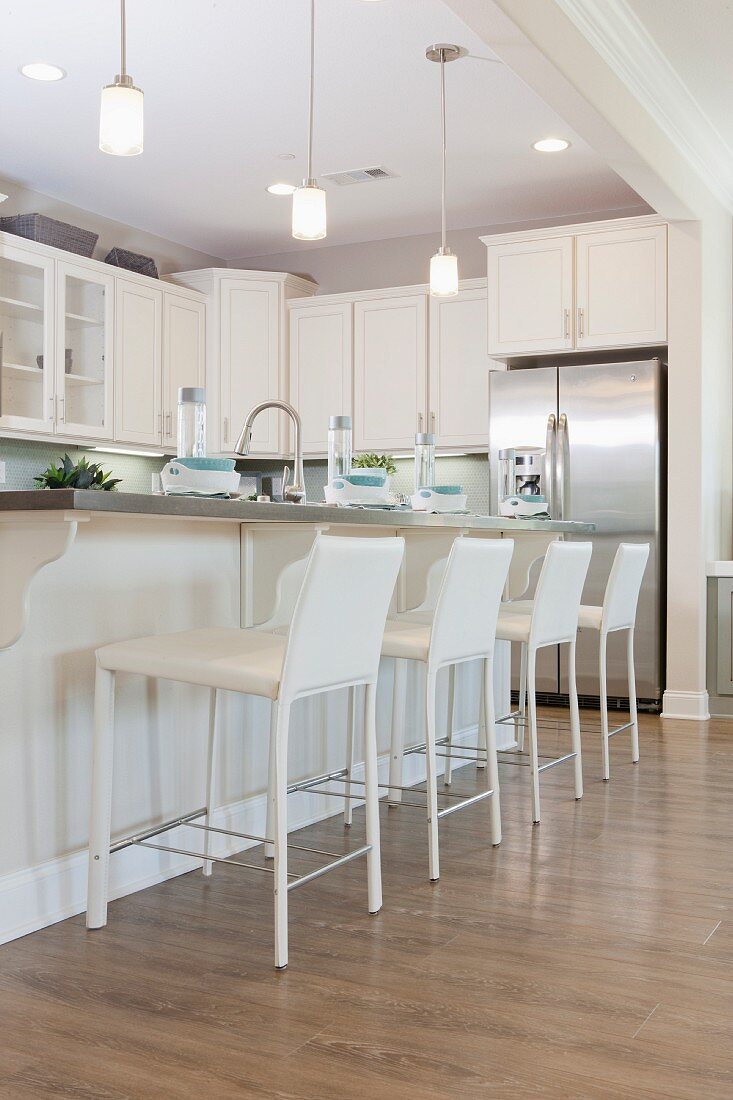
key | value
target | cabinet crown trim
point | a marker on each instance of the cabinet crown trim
(645, 221)
(297, 282)
(376, 294)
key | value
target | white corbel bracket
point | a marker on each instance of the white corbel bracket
(28, 541)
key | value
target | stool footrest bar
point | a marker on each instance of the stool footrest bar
(200, 855)
(301, 880)
(464, 803)
(147, 833)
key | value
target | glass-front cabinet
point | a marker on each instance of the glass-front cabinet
(26, 341)
(84, 392)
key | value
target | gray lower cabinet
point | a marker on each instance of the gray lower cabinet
(724, 635)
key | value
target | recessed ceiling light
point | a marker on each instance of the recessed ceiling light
(286, 156)
(41, 70)
(3, 197)
(281, 188)
(551, 145)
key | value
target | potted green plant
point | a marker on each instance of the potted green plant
(77, 475)
(374, 462)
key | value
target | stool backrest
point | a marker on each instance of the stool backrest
(558, 592)
(335, 636)
(624, 585)
(464, 624)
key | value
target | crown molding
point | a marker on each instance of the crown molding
(617, 34)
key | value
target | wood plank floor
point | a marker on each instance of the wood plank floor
(590, 958)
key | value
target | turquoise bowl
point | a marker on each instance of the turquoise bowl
(217, 465)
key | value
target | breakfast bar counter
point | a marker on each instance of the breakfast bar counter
(80, 569)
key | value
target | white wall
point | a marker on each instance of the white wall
(168, 255)
(399, 261)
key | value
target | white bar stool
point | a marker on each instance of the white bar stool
(462, 628)
(550, 619)
(618, 612)
(333, 642)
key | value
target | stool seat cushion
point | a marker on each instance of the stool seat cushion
(590, 617)
(405, 639)
(524, 607)
(424, 617)
(513, 626)
(231, 659)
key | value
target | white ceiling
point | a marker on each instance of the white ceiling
(697, 40)
(225, 85)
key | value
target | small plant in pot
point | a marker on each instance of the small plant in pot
(77, 475)
(374, 462)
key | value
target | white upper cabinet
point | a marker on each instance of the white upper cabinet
(84, 351)
(184, 356)
(603, 285)
(138, 363)
(250, 361)
(622, 287)
(530, 296)
(27, 342)
(321, 350)
(390, 371)
(458, 404)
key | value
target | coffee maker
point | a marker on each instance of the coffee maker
(521, 482)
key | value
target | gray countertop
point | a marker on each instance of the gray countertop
(247, 511)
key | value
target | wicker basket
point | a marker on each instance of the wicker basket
(37, 227)
(132, 261)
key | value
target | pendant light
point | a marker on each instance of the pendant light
(309, 200)
(121, 113)
(443, 265)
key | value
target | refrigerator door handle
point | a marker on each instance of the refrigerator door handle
(562, 467)
(550, 441)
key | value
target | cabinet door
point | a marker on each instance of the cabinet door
(458, 395)
(84, 352)
(183, 356)
(26, 341)
(390, 372)
(622, 288)
(530, 296)
(138, 363)
(250, 362)
(320, 368)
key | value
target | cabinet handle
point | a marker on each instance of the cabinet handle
(62, 402)
(580, 322)
(168, 425)
(432, 422)
(51, 408)
(226, 429)
(566, 329)
(160, 424)
(419, 421)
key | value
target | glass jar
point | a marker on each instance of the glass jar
(191, 422)
(339, 447)
(424, 460)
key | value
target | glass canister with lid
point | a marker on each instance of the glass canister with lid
(339, 447)
(191, 422)
(424, 460)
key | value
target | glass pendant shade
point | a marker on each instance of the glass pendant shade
(309, 212)
(121, 119)
(443, 274)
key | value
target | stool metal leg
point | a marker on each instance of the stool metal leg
(534, 763)
(431, 778)
(522, 704)
(208, 865)
(101, 817)
(350, 749)
(633, 715)
(279, 796)
(397, 736)
(492, 762)
(575, 722)
(448, 773)
(604, 706)
(270, 814)
(371, 791)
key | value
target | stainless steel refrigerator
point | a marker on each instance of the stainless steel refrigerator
(602, 428)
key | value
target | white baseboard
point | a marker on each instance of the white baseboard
(36, 897)
(692, 706)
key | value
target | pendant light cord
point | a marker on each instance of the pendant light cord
(442, 130)
(309, 168)
(123, 37)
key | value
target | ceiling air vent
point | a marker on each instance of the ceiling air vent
(359, 175)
